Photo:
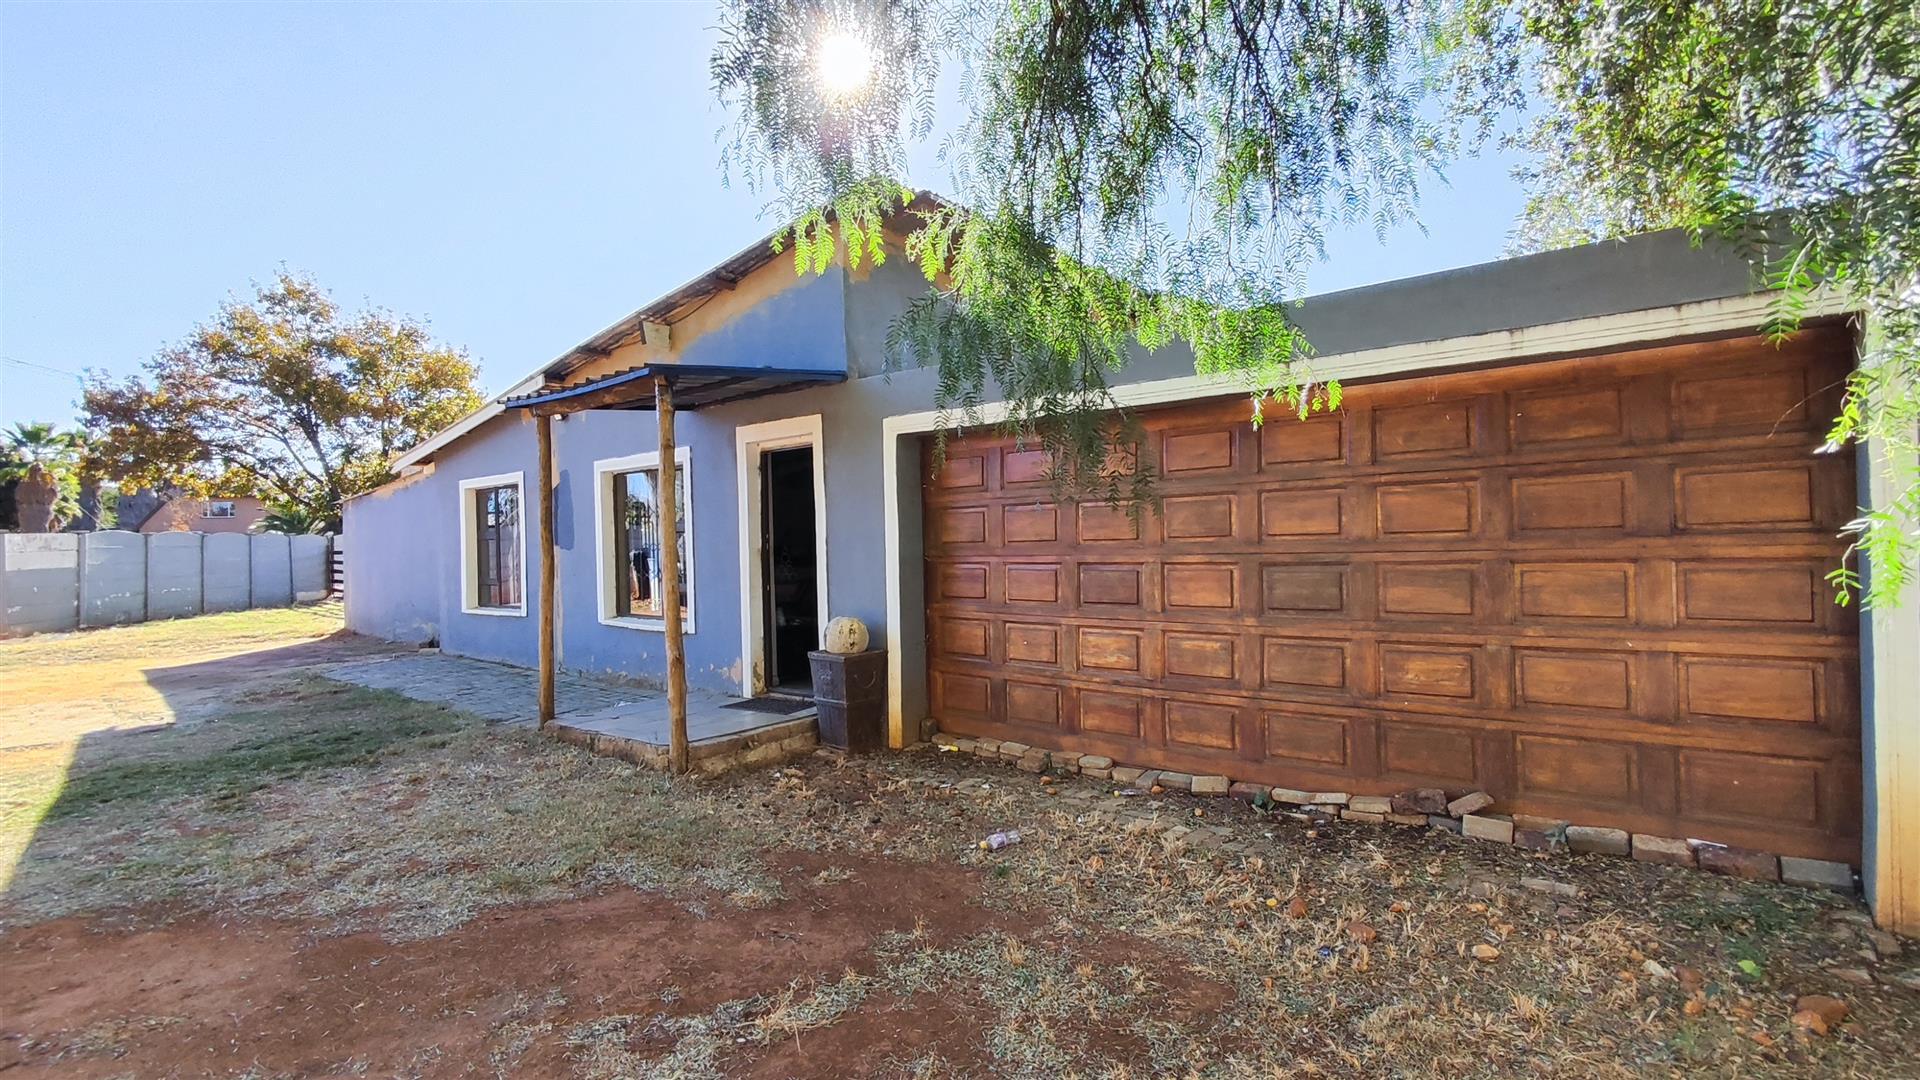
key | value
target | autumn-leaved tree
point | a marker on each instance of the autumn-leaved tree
(1133, 173)
(286, 397)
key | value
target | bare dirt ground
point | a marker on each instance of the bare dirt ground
(219, 863)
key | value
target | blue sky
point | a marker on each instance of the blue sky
(518, 175)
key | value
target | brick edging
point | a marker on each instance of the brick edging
(1467, 816)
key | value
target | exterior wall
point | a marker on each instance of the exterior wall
(271, 570)
(226, 572)
(396, 543)
(772, 318)
(311, 572)
(403, 571)
(1889, 687)
(403, 574)
(186, 515)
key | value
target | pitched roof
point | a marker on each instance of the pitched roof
(667, 309)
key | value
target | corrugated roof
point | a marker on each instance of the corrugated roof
(694, 386)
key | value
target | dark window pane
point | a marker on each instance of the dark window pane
(497, 515)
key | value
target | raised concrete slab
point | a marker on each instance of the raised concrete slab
(506, 694)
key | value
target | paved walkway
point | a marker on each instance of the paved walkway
(508, 695)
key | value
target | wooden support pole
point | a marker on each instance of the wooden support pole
(544, 426)
(670, 583)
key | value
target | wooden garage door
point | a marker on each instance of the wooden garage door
(1593, 587)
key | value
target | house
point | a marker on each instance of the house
(1565, 541)
(190, 513)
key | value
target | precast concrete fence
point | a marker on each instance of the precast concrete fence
(64, 581)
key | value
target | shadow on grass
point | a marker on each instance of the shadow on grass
(308, 797)
(236, 723)
(321, 725)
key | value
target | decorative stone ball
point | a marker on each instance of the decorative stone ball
(846, 635)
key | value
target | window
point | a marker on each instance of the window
(493, 540)
(498, 521)
(628, 497)
(222, 509)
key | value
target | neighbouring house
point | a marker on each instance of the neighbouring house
(189, 513)
(1566, 541)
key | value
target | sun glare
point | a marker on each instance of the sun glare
(842, 63)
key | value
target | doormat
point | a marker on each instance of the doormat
(775, 705)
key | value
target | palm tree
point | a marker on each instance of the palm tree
(57, 454)
(45, 444)
(291, 519)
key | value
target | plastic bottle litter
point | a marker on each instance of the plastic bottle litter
(1000, 840)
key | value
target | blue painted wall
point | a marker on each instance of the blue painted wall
(403, 566)
(803, 325)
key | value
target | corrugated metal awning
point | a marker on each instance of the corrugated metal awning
(694, 386)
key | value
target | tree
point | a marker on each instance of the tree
(60, 456)
(291, 519)
(286, 397)
(1134, 173)
(1791, 127)
(1129, 173)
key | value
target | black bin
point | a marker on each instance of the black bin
(850, 695)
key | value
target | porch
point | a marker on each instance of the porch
(606, 716)
(654, 388)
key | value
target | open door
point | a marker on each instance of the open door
(790, 570)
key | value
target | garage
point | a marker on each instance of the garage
(1594, 587)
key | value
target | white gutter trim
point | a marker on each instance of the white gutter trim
(425, 449)
(1730, 314)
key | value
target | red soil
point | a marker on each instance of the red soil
(212, 996)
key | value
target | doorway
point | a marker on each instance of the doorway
(790, 569)
(782, 483)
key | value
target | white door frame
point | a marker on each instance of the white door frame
(750, 442)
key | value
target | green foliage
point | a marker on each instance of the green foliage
(1138, 174)
(291, 519)
(286, 397)
(61, 453)
(27, 444)
(1792, 128)
(1091, 126)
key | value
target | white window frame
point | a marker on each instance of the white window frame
(604, 472)
(470, 546)
(750, 442)
(206, 509)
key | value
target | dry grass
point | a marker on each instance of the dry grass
(1580, 988)
(1120, 948)
(178, 639)
(290, 806)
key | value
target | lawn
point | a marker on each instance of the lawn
(294, 877)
